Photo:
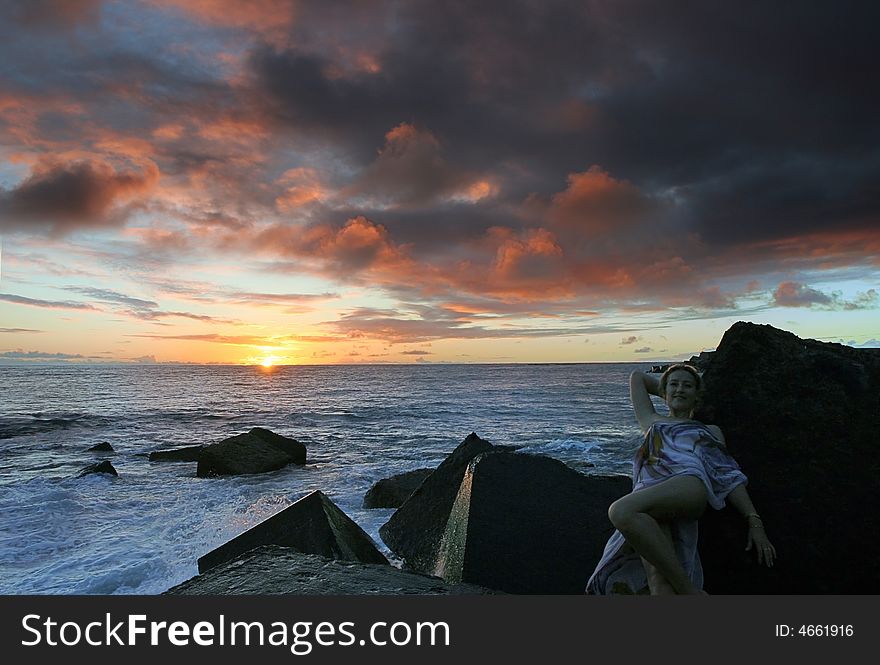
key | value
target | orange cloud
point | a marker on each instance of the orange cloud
(357, 246)
(302, 186)
(595, 201)
(270, 17)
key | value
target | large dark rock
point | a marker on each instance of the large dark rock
(184, 454)
(392, 492)
(802, 418)
(100, 467)
(415, 529)
(270, 569)
(257, 451)
(527, 524)
(102, 447)
(313, 525)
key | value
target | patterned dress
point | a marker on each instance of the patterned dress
(683, 448)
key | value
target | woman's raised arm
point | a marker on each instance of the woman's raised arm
(641, 387)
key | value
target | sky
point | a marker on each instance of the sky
(288, 182)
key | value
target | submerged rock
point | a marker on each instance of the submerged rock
(527, 524)
(257, 451)
(313, 525)
(184, 454)
(392, 492)
(270, 569)
(415, 529)
(100, 467)
(102, 447)
(801, 417)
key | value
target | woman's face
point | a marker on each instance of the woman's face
(681, 391)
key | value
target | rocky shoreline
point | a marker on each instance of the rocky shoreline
(799, 416)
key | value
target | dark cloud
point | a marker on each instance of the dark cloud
(795, 294)
(514, 153)
(50, 14)
(65, 197)
(15, 331)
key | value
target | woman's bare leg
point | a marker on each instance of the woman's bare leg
(658, 584)
(638, 516)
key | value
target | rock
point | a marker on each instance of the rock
(527, 524)
(701, 362)
(257, 451)
(658, 369)
(102, 447)
(313, 525)
(414, 530)
(185, 454)
(801, 417)
(100, 467)
(270, 569)
(392, 492)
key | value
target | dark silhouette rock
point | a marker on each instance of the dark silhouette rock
(257, 451)
(270, 569)
(414, 530)
(392, 492)
(184, 454)
(702, 361)
(100, 467)
(313, 525)
(527, 524)
(102, 447)
(801, 417)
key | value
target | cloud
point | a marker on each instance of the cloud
(356, 246)
(644, 349)
(48, 304)
(15, 331)
(405, 327)
(39, 355)
(632, 339)
(235, 340)
(595, 202)
(51, 14)
(113, 297)
(795, 294)
(597, 157)
(867, 344)
(66, 197)
(411, 170)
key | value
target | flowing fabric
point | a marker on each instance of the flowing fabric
(670, 449)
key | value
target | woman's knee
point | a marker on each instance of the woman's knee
(620, 513)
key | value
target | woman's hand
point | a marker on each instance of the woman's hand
(763, 547)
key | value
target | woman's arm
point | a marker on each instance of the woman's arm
(739, 498)
(641, 387)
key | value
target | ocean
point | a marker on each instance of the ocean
(142, 532)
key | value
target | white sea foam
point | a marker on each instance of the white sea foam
(143, 532)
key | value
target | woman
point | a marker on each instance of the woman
(681, 466)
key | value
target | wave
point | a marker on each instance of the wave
(39, 423)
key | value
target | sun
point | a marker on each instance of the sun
(268, 361)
